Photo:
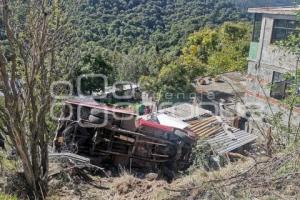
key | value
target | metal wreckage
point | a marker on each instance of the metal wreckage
(164, 139)
(116, 135)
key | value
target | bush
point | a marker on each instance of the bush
(7, 197)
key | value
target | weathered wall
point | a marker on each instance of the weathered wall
(272, 55)
(269, 58)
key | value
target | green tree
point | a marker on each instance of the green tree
(172, 80)
(199, 47)
(213, 51)
(94, 64)
(210, 51)
(130, 30)
(35, 32)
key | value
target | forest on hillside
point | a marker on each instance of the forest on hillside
(137, 37)
(123, 24)
(130, 39)
(131, 34)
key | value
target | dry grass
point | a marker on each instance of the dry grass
(240, 180)
(263, 178)
(125, 183)
(128, 186)
(197, 183)
(124, 187)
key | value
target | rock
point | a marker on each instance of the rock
(151, 176)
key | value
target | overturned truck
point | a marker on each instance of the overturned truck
(117, 135)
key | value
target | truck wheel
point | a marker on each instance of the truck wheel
(95, 120)
(182, 135)
(102, 114)
(75, 137)
(99, 120)
(84, 112)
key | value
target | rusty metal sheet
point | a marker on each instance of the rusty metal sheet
(210, 130)
(223, 143)
(206, 127)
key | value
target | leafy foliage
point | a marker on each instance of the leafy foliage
(94, 64)
(217, 50)
(172, 80)
(7, 197)
(138, 37)
(124, 24)
(210, 51)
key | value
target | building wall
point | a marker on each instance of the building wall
(271, 55)
(264, 59)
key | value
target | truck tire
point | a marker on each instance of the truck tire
(75, 137)
(101, 114)
(99, 120)
(182, 135)
(84, 112)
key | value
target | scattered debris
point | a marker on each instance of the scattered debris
(70, 156)
(222, 138)
(72, 162)
(80, 183)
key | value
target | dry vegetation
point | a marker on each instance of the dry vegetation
(257, 177)
(260, 177)
(72, 185)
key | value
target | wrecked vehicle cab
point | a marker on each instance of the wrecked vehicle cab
(177, 127)
(108, 134)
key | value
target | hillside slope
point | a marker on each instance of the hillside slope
(124, 24)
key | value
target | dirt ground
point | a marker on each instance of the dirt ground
(72, 185)
(253, 178)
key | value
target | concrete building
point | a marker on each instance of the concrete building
(268, 63)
